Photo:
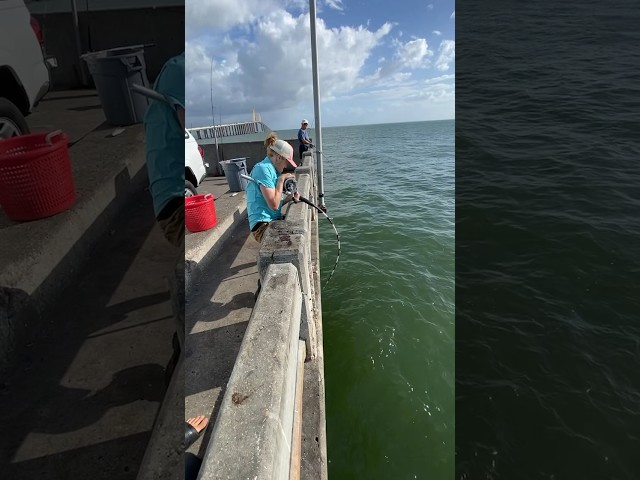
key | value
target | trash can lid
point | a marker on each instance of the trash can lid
(111, 52)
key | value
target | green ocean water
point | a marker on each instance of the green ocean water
(388, 312)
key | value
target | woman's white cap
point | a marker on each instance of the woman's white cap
(283, 148)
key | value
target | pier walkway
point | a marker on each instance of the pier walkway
(254, 363)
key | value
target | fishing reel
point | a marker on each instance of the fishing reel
(290, 186)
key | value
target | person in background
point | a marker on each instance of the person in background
(303, 137)
(264, 202)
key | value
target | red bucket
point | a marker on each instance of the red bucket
(35, 176)
(200, 213)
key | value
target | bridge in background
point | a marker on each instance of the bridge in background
(228, 130)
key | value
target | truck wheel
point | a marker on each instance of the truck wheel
(12, 122)
(189, 189)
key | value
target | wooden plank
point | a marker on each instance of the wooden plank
(296, 438)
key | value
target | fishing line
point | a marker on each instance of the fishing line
(290, 186)
(304, 200)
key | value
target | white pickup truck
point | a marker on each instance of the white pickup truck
(24, 74)
(195, 168)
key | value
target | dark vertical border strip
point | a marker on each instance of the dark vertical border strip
(547, 240)
(90, 374)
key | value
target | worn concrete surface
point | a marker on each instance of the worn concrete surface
(75, 112)
(289, 241)
(103, 168)
(217, 312)
(82, 398)
(164, 455)
(38, 258)
(253, 431)
(202, 247)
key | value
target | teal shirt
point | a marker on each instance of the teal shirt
(257, 208)
(164, 137)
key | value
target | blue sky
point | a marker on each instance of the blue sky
(379, 61)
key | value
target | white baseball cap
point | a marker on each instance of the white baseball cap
(283, 148)
(304, 120)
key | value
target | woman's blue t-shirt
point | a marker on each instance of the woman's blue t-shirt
(257, 208)
(164, 137)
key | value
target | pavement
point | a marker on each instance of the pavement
(220, 301)
(38, 259)
(219, 304)
(85, 315)
(202, 247)
(82, 396)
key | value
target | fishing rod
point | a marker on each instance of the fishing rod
(290, 186)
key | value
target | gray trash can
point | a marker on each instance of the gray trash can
(114, 71)
(232, 170)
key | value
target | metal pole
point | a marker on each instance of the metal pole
(213, 118)
(76, 31)
(316, 102)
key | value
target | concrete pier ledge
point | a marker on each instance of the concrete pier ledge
(226, 353)
(252, 437)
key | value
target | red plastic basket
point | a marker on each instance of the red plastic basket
(35, 176)
(200, 212)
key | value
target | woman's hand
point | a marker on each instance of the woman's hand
(292, 197)
(282, 178)
(273, 196)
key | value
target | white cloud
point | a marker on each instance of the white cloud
(261, 57)
(414, 53)
(335, 4)
(401, 102)
(440, 79)
(269, 68)
(437, 32)
(223, 14)
(447, 54)
(453, 15)
(430, 6)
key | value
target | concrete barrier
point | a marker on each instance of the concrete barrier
(295, 240)
(289, 241)
(253, 433)
(282, 245)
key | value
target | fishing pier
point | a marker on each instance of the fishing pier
(228, 130)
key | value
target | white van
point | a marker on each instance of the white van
(24, 75)
(195, 168)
